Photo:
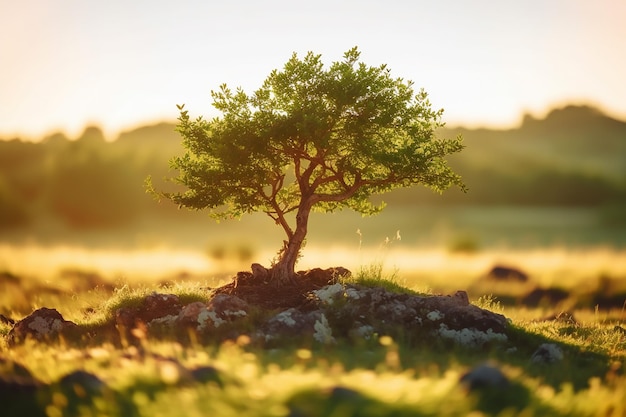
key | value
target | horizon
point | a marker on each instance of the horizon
(118, 65)
(113, 136)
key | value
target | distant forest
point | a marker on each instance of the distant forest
(576, 156)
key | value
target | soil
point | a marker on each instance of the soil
(257, 290)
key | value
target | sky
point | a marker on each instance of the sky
(118, 64)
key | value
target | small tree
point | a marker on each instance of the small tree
(311, 138)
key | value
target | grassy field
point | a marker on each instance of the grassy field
(425, 251)
(380, 376)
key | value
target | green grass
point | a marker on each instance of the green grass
(374, 275)
(375, 377)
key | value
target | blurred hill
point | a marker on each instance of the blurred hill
(574, 157)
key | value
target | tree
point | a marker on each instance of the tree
(311, 138)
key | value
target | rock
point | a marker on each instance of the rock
(547, 353)
(42, 325)
(547, 296)
(159, 305)
(619, 329)
(19, 390)
(206, 374)
(228, 307)
(221, 309)
(609, 301)
(15, 377)
(507, 273)
(494, 392)
(454, 311)
(485, 375)
(356, 310)
(82, 384)
(188, 316)
(152, 307)
(290, 323)
(337, 401)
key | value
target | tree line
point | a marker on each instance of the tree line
(573, 157)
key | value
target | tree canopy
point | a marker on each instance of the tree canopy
(312, 137)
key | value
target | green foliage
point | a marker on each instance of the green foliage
(311, 138)
(330, 137)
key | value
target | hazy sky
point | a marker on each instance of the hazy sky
(119, 63)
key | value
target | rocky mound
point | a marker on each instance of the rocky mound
(316, 308)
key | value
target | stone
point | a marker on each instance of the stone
(455, 311)
(82, 383)
(547, 353)
(483, 376)
(152, 307)
(228, 306)
(207, 374)
(43, 324)
(159, 305)
(15, 377)
(222, 308)
(507, 273)
(189, 314)
(292, 323)
(545, 296)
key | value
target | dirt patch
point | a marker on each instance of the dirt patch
(255, 288)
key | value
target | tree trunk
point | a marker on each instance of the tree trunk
(283, 272)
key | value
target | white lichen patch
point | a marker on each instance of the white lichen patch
(233, 314)
(353, 294)
(328, 294)
(435, 315)
(471, 338)
(285, 318)
(209, 317)
(362, 332)
(323, 332)
(547, 353)
(42, 326)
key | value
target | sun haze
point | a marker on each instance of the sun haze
(118, 64)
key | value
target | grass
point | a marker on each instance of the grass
(373, 377)
(374, 275)
(384, 379)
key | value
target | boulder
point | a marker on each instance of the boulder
(152, 307)
(44, 324)
(507, 273)
(485, 375)
(547, 353)
(290, 323)
(222, 308)
(453, 311)
(545, 296)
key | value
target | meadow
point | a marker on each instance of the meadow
(373, 377)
